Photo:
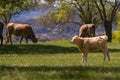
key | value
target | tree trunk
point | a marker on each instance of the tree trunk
(108, 30)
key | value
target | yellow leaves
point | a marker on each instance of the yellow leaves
(118, 24)
(63, 12)
(61, 15)
(118, 21)
(116, 34)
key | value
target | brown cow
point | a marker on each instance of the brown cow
(93, 43)
(23, 30)
(1, 31)
(87, 30)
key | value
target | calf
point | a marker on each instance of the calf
(93, 43)
(1, 31)
(23, 30)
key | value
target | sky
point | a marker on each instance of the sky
(42, 1)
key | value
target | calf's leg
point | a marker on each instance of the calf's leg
(104, 50)
(108, 56)
(84, 57)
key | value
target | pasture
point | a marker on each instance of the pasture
(57, 60)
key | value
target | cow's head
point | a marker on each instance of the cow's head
(35, 40)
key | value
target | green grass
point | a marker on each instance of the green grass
(57, 60)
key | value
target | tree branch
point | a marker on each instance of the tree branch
(114, 11)
(100, 11)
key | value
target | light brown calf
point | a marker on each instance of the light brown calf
(93, 43)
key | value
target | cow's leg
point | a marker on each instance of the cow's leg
(1, 37)
(108, 55)
(1, 40)
(26, 40)
(21, 39)
(10, 38)
(7, 38)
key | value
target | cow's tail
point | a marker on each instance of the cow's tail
(104, 37)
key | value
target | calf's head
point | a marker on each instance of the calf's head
(75, 39)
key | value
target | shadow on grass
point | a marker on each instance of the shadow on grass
(114, 50)
(68, 72)
(42, 49)
(36, 49)
(111, 50)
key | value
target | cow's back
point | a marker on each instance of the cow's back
(87, 30)
(83, 28)
(16, 29)
(83, 31)
(10, 28)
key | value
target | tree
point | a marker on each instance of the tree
(89, 11)
(57, 16)
(74, 11)
(9, 8)
(107, 11)
(86, 11)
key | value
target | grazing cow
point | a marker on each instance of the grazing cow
(93, 43)
(1, 31)
(23, 30)
(87, 30)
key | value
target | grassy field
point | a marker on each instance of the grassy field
(56, 60)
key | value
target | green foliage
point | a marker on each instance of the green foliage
(87, 11)
(72, 11)
(64, 13)
(9, 8)
(57, 16)
(116, 34)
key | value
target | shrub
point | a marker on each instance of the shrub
(116, 36)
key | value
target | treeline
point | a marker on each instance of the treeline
(67, 11)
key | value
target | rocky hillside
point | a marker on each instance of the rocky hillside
(45, 33)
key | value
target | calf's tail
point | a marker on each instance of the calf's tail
(104, 37)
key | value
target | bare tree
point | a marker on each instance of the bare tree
(107, 11)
